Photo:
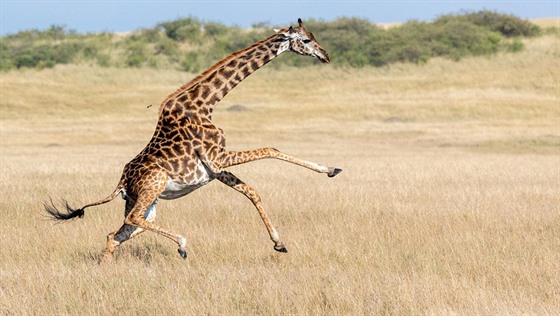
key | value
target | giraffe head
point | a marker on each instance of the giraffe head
(299, 41)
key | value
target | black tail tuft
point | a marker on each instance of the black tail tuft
(57, 215)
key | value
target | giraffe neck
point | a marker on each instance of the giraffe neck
(199, 96)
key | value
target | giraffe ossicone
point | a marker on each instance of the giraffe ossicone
(188, 151)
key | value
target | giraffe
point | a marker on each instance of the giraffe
(187, 150)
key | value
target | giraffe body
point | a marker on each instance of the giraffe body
(187, 151)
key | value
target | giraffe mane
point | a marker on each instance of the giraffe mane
(216, 67)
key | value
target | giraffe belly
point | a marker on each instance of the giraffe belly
(177, 187)
(175, 190)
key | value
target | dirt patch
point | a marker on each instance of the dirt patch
(238, 108)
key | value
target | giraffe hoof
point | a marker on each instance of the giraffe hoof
(333, 172)
(183, 253)
(281, 248)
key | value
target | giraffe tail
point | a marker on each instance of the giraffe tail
(71, 213)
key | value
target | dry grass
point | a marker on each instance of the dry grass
(448, 203)
(547, 22)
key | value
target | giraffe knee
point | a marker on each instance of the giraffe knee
(134, 220)
(273, 152)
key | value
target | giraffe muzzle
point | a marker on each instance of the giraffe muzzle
(323, 56)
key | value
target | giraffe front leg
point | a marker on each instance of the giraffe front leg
(232, 181)
(233, 158)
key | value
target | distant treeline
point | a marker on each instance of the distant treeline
(191, 44)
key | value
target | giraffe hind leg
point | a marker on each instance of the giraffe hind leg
(232, 181)
(116, 238)
(136, 217)
(126, 232)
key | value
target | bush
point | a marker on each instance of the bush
(39, 57)
(515, 46)
(463, 39)
(507, 25)
(54, 32)
(103, 60)
(136, 54)
(5, 58)
(192, 45)
(191, 62)
(214, 29)
(346, 40)
(167, 47)
(65, 52)
(185, 29)
(46, 56)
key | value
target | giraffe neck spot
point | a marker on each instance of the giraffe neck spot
(284, 46)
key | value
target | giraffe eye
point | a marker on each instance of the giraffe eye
(306, 41)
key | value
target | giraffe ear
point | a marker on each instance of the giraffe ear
(282, 36)
(284, 31)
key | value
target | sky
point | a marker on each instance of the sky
(128, 15)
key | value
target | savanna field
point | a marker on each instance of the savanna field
(449, 202)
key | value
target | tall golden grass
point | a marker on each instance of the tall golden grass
(448, 203)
